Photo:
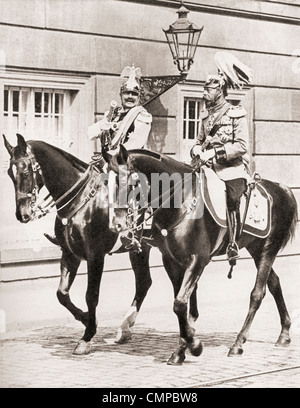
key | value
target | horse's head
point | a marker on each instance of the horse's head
(128, 191)
(25, 174)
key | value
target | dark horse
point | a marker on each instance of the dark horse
(187, 243)
(81, 227)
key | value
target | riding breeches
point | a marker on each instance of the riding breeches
(234, 190)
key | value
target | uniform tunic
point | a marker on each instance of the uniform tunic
(138, 131)
(230, 140)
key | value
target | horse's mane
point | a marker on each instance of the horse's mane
(176, 165)
(76, 163)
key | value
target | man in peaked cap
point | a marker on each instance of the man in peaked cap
(223, 139)
(129, 124)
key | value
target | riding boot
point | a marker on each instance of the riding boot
(232, 248)
(52, 239)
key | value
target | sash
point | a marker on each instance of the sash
(215, 125)
(125, 125)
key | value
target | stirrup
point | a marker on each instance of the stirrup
(131, 243)
(149, 241)
(53, 239)
(232, 251)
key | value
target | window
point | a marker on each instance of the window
(37, 113)
(191, 117)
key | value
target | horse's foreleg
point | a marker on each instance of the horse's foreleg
(275, 289)
(193, 312)
(68, 266)
(264, 263)
(140, 266)
(183, 297)
(95, 269)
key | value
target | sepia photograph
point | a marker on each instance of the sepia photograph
(150, 195)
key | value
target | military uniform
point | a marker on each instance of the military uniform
(228, 135)
(223, 144)
(136, 135)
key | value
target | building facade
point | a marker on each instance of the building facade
(60, 67)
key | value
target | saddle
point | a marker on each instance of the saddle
(256, 214)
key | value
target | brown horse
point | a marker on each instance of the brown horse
(186, 244)
(81, 198)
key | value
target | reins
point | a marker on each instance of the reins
(49, 207)
(164, 232)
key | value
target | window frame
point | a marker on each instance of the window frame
(31, 117)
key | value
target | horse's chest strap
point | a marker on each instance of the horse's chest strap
(93, 190)
(185, 211)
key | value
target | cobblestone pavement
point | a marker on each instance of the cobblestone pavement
(41, 356)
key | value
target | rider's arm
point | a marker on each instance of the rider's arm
(98, 127)
(198, 147)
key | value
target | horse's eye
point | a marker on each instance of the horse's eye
(26, 174)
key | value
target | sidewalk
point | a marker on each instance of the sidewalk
(41, 335)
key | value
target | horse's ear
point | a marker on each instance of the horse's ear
(123, 154)
(7, 145)
(106, 156)
(21, 143)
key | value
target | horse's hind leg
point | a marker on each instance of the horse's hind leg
(263, 261)
(140, 266)
(68, 266)
(275, 288)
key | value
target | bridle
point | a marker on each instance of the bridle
(48, 204)
(36, 169)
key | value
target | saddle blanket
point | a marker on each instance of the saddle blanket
(259, 213)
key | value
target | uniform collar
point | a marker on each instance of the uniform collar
(216, 107)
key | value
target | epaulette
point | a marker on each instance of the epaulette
(204, 114)
(144, 116)
(236, 112)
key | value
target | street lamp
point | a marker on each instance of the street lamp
(183, 37)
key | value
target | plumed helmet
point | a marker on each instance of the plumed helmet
(234, 73)
(214, 81)
(132, 84)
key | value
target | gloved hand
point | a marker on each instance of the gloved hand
(104, 124)
(203, 156)
(207, 155)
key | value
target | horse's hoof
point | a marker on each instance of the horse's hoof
(123, 336)
(283, 341)
(176, 359)
(196, 348)
(235, 351)
(83, 347)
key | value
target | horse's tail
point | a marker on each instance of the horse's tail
(291, 218)
(285, 215)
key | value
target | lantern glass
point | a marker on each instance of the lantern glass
(183, 37)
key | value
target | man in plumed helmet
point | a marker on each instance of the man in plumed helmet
(223, 139)
(129, 124)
